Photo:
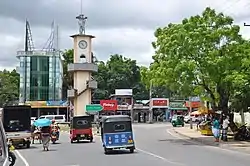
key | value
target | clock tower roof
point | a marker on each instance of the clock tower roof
(82, 35)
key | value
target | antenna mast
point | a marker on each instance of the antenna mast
(50, 44)
(29, 44)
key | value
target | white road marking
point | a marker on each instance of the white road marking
(209, 147)
(22, 158)
(160, 157)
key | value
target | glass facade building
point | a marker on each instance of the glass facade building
(41, 76)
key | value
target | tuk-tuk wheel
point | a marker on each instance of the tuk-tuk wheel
(28, 144)
(131, 150)
(106, 151)
(182, 125)
(91, 140)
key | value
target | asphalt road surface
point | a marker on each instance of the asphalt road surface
(156, 146)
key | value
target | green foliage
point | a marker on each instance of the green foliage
(9, 86)
(117, 73)
(200, 56)
(67, 77)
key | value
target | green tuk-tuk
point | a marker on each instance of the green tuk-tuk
(177, 120)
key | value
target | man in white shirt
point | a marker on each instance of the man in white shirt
(225, 125)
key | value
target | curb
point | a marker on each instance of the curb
(199, 140)
(223, 146)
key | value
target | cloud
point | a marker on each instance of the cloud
(122, 27)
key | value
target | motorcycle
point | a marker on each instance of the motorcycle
(12, 156)
(54, 136)
(242, 134)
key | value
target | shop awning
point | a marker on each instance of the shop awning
(182, 108)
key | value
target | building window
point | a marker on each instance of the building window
(45, 80)
(33, 63)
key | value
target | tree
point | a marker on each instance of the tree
(9, 86)
(202, 55)
(117, 72)
(157, 90)
(68, 56)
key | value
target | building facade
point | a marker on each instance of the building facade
(41, 76)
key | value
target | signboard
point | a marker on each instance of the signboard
(36, 103)
(47, 103)
(124, 107)
(93, 108)
(109, 105)
(175, 104)
(195, 98)
(140, 106)
(193, 104)
(124, 92)
(57, 103)
(160, 102)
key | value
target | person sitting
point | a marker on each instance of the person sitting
(55, 127)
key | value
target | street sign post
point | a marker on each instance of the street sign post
(93, 108)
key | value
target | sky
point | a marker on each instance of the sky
(121, 27)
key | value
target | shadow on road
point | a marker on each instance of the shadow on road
(83, 142)
(190, 142)
(56, 143)
(120, 152)
(50, 150)
(23, 148)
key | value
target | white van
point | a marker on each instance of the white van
(58, 118)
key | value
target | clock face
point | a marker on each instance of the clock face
(83, 44)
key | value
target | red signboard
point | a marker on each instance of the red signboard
(193, 104)
(109, 105)
(160, 102)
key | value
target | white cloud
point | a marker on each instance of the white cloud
(122, 27)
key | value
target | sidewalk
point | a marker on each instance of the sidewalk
(195, 135)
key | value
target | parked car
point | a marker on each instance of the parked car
(32, 119)
(58, 118)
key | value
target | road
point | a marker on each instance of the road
(155, 143)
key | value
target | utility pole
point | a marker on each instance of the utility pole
(150, 103)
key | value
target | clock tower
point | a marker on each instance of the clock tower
(82, 68)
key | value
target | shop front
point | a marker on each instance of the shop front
(159, 107)
(109, 107)
(124, 109)
(141, 113)
(176, 108)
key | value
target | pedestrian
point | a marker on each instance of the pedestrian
(225, 125)
(45, 132)
(216, 129)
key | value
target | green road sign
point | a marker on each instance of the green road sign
(93, 108)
